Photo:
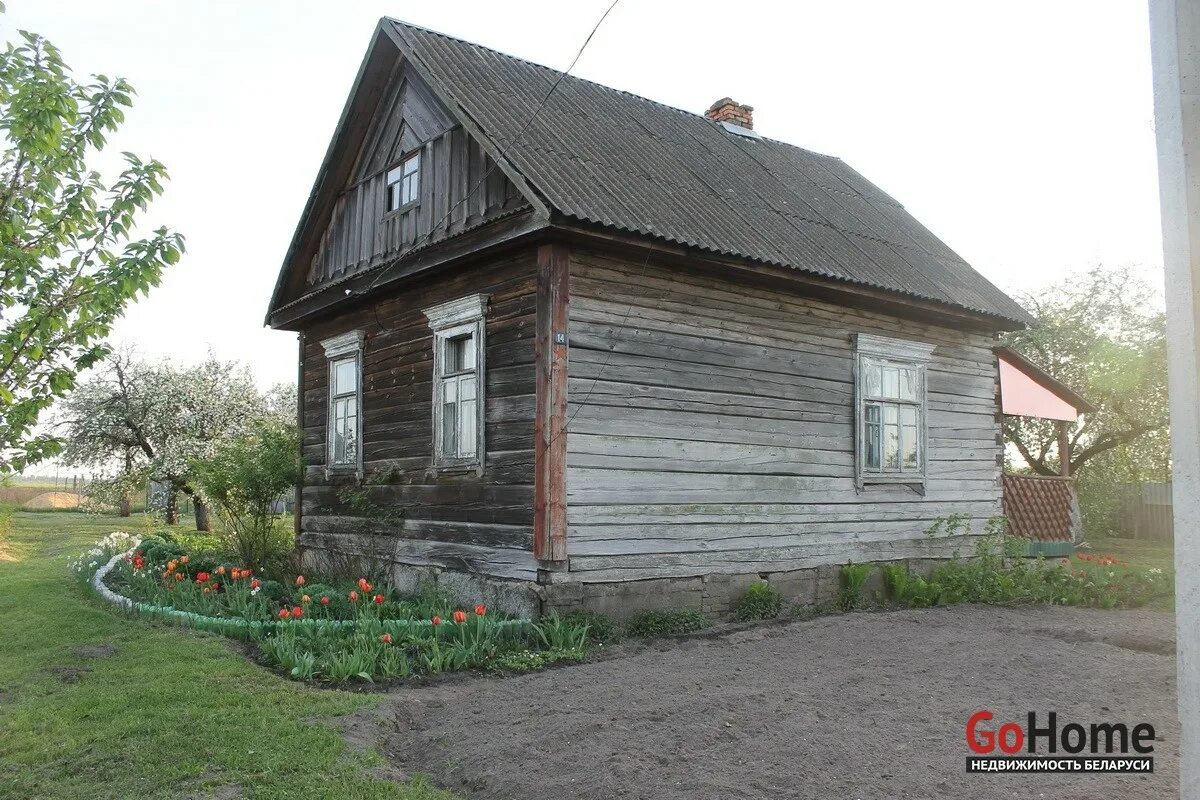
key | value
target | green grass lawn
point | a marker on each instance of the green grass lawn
(1143, 553)
(170, 713)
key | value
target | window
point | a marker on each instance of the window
(344, 432)
(404, 182)
(890, 390)
(458, 403)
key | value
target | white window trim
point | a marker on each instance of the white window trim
(450, 320)
(339, 348)
(904, 353)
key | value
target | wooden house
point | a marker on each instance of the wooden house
(564, 346)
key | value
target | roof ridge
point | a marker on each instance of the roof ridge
(567, 75)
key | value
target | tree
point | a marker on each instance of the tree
(68, 262)
(246, 476)
(1103, 335)
(157, 421)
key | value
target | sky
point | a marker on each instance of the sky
(1021, 133)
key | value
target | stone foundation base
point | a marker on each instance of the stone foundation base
(715, 595)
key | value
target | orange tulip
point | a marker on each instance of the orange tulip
(436, 620)
(178, 576)
(305, 599)
(183, 559)
(460, 616)
(297, 612)
(480, 610)
(299, 580)
(284, 614)
(353, 596)
(362, 584)
(221, 570)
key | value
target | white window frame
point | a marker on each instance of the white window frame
(455, 319)
(340, 349)
(405, 190)
(872, 350)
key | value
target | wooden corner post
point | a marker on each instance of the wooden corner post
(551, 344)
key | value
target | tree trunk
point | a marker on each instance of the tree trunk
(126, 507)
(202, 518)
(172, 507)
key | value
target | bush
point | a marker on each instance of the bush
(666, 623)
(243, 479)
(761, 601)
(854, 577)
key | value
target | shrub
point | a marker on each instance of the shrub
(854, 577)
(666, 623)
(600, 628)
(909, 590)
(761, 601)
(243, 479)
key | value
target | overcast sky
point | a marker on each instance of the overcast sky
(1021, 132)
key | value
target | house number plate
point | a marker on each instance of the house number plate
(560, 337)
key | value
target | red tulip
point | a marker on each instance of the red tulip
(178, 576)
(386, 638)
(362, 584)
(460, 616)
(202, 577)
(436, 620)
(378, 599)
(256, 583)
(299, 580)
(353, 596)
(324, 600)
(297, 612)
(480, 610)
(284, 614)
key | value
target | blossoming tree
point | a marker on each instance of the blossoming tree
(136, 420)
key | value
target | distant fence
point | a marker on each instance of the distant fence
(1144, 511)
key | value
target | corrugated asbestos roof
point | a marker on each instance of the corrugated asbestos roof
(605, 156)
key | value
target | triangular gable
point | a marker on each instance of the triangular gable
(368, 137)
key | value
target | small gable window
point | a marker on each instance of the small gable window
(890, 391)
(404, 183)
(458, 381)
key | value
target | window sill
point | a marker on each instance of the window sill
(395, 212)
(458, 467)
(914, 482)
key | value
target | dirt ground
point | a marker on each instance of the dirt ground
(857, 706)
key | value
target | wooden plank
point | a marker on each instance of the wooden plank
(550, 419)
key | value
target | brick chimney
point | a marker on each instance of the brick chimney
(726, 110)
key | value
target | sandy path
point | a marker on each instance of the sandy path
(858, 706)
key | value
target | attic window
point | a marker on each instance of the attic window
(404, 182)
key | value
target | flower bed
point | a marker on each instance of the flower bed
(323, 630)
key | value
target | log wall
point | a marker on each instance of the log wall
(459, 519)
(710, 430)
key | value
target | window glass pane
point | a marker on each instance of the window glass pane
(351, 452)
(460, 355)
(466, 427)
(871, 433)
(450, 391)
(870, 379)
(466, 388)
(891, 382)
(411, 165)
(891, 446)
(909, 442)
(890, 415)
(394, 175)
(909, 384)
(343, 376)
(450, 429)
(908, 415)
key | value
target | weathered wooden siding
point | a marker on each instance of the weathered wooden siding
(457, 519)
(711, 430)
(362, 234)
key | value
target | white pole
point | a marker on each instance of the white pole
(1175, 53)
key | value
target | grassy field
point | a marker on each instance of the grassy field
(96, 705)
(1137, 552)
